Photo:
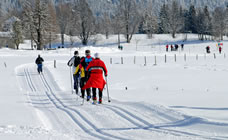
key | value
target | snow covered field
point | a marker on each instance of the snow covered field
(184, 97)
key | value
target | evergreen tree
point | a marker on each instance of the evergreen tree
(226, 19)
(182, 19)
(200, 24)
(185, 28)
(207, 22)
(163, 19)
(191, 23)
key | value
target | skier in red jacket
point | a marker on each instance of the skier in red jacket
(220, 49)
(96, 80)
(167, 47)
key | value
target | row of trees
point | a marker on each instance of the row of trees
(174, 19)
(41, 20)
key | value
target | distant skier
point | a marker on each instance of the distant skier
(171, 47)
(96, 80)
(83, 65)
(208, 49)
(74, 62)
(220, 49)
(176, 47)
(167, 47)
(39, 61)
(182, 47)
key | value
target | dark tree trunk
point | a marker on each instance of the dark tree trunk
(62, 39)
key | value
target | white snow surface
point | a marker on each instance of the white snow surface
(184, 99)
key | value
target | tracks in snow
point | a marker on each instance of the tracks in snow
(72, 113)
(108, 121)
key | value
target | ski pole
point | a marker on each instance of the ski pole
(107, 89)
(71, 82)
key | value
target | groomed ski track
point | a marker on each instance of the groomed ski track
(61, 113)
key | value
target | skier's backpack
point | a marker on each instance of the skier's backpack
(85, 61)
(76, 61)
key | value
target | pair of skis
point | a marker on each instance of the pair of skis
(83, 100)
(82, 103)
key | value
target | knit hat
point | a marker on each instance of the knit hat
(97, 55)
(75, 52)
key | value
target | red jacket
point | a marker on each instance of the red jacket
(220, 48)
(96, 80)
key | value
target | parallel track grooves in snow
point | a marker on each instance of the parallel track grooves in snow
(66, 109)
(167, 122)
(29, 81)
(139, 126)
(78, 113)
(163, 127)
(45, 108)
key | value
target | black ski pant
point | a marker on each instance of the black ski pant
(88, 90)
(94, 93)
(76, 82)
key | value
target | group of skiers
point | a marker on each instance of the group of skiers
(174, 48)
(208, 49)
(88, 73)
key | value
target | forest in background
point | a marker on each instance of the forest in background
(43, 21)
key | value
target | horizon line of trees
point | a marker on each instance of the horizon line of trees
(42, 20)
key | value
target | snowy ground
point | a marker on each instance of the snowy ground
(182, 99)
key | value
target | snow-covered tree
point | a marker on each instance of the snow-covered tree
(218, 23)
(84, 21)
(117, 24)
(53, 29)
(207, 22)
(150, 24)
(17, 34)
(63, 12)
(130, 14)
(175, 21)
(36, 21)
(106, 24)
